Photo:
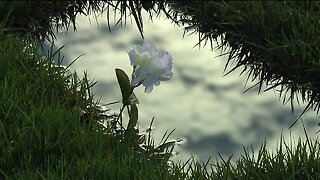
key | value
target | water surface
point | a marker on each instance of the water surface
(209, 111)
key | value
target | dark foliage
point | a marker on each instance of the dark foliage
(277, 43)
(39, 20)
(35, 19)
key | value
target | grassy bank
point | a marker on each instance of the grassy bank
(274, 42)
(49, 127)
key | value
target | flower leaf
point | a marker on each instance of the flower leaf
(124, 84)
(133, 99)
(133, 116)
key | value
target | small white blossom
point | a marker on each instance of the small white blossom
(150, 65)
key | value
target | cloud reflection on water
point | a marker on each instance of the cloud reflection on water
(208, 110)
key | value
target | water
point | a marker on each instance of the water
(209, 111)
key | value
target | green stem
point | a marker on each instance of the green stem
(125, 103)
(120, 115)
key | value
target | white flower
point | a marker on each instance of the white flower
(150, 65)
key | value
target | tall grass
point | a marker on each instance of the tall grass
(291, 160)
(49, 126)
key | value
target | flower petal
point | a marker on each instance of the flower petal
(148, 89)
(150, 65)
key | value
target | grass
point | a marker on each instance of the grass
(43, 133)
(45, 136)
(274, 42)
(296, 160)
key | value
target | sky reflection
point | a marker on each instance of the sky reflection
(208, 110)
